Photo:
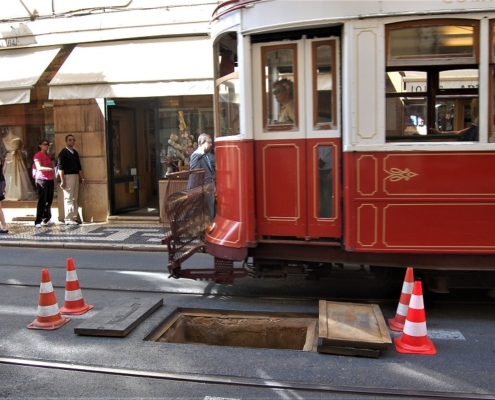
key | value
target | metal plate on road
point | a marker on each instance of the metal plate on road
(119, 318)
(351, 325)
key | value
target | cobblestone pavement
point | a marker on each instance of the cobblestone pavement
(104, 236)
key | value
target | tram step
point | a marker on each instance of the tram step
(127, 219)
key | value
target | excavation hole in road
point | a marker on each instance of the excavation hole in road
(289, 331)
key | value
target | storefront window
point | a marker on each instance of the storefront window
(180, 122)
(22, 127)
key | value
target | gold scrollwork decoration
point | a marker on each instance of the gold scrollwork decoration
(397, 174)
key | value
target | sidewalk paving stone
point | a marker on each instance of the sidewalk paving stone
(107, 236)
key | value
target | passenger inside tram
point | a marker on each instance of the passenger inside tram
(283, 91)
(468, 134)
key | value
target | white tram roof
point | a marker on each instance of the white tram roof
(263, 14)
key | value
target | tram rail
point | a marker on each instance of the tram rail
(245, 382)
(459, 299)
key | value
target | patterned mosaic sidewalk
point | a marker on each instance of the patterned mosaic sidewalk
(106, 236)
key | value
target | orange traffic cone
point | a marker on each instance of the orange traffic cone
(397, 323)
(414, 339)
(74, 302)
(48, 313)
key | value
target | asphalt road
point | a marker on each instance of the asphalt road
(130, 367)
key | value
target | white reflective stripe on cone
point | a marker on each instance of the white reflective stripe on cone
(71, 276)
(48, 311)
(402, 309)
(416, 302)
(71, 295)
(46, 287)
(417, 329)
(407, 287)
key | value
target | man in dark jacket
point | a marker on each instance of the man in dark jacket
(199, 159)
(70, 171)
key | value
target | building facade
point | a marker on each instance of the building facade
(132, 83)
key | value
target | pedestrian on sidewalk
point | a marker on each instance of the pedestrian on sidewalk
(3, 224)
(200, 160)
(45, 185)
(70, 171)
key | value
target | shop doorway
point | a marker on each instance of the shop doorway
(158, 135)
(123, 157)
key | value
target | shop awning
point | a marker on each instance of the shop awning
(138, 68)
(20, 69)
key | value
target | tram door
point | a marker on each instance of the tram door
(297, 138)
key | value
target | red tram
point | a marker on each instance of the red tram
(355, 132)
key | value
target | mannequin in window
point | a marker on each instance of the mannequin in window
(8, 134)
(283, 91)
(18, 184)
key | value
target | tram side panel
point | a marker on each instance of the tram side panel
(280, 184)
(233, 229)
(420, 202)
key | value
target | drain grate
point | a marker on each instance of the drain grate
(289, 331)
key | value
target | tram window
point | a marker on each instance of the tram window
(226, 50)
(228, 104)
(324, 85)
(406, 81)
(279, 87)
(427, 42)
(325, 180)
(491, 137)
(445, 118)
(458, 79)
(431, 78)
(226, 65)
(227, 86)
(406, 115)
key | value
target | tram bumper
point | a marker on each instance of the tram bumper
(227, 253)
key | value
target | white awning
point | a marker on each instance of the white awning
(138, 68)
(20, 69)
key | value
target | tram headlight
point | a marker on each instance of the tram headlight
(211, 227)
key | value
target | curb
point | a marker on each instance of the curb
(86, 246)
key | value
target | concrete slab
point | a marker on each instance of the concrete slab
(120, 318)
(346, 327)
